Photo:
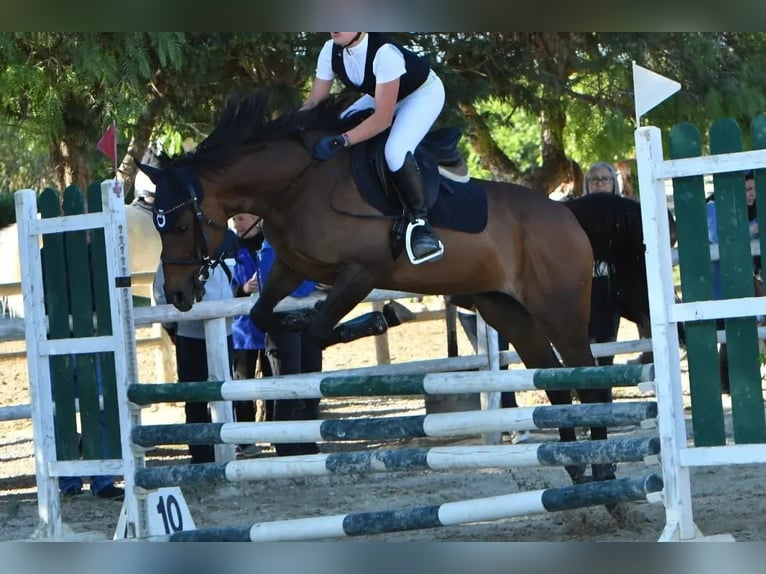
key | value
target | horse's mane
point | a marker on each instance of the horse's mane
(247, 120)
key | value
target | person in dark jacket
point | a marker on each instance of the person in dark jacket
(191, 350)
(604, 314)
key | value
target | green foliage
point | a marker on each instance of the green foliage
(7, 210)
(59, 91)
(514, 131)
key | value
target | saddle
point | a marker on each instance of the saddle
(454, 201)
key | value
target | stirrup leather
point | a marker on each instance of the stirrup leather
(408, 244)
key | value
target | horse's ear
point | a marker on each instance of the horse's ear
(154, 173)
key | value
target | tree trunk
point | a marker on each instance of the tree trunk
(556, 167)
(70, 164)
(490, 156)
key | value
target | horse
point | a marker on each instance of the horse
(613, 226)
(322, 229)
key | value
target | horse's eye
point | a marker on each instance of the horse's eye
(182, 229)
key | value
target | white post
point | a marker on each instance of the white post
(48, 502)
(125, 358)
(667, 361)
(486, 344)
(218, 370)
(382, 349)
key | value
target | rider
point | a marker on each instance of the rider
(405, 94)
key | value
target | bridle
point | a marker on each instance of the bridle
(202, 258)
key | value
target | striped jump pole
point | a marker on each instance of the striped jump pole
(390, 428)
(323, 385)
(634, 449)
(435, 516)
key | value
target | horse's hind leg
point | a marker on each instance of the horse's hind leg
(515, 323)
(568, 330)
(532, 344)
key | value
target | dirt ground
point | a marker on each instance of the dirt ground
(718, 507)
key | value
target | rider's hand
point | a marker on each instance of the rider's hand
(328, 146)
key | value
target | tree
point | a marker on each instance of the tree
(66, 88)
(61, 91)
(579, 87)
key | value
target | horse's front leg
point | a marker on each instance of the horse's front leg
(280, 282)
(350, 288)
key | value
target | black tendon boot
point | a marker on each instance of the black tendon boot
(424, 243)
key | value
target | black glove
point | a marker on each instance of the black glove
(328, 146)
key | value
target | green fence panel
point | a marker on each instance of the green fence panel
(81, 297)
(758, 141)
(736, 265)
(57, 305)
(696, 285)
(100, 275)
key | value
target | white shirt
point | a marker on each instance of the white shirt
(387, 65)
(217, 288)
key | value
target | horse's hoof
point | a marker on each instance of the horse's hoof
(296, 321)
(577, 474)
(603, 472)
(369, 324)
(323, 341)
(395, 313)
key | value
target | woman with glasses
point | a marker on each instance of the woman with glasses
(601, 178)
(604, 313)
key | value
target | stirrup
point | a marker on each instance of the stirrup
(408, 244)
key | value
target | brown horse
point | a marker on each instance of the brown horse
(529, 270)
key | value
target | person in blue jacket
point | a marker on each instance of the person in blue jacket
(249, 341)
(291, 352)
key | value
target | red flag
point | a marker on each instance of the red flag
(108, 143)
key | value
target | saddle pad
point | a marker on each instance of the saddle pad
(458, 206)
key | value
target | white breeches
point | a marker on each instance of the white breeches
(413, 117)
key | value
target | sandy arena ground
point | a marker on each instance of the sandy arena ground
(726, 499)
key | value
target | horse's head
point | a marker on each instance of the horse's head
(193, 239)
(251, 162)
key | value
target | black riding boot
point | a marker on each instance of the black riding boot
(424, 241)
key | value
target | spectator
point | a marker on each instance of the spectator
(604, 314)
(191, 350)
(249, 342)
(291, 352)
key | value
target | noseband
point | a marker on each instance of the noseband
(202, 258)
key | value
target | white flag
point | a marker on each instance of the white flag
(650, 89)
